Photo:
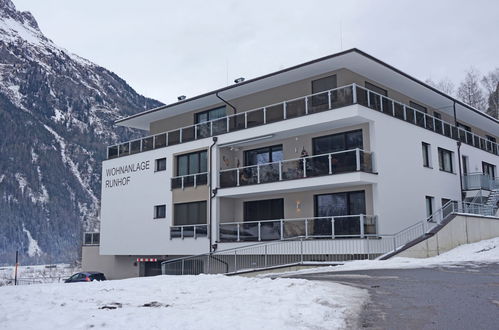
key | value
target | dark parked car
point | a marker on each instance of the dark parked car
(86, 277)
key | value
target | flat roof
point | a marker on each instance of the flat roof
(352, 59)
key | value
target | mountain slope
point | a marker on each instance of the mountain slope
(56, 118)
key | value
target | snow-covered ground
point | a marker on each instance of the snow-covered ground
(486, 251)
(181, 302)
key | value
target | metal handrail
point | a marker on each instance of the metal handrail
(363, 220)
(183, 227)
(294, 159)
(195, 175)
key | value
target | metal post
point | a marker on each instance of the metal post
(195, 132)
(211, 128)
(237, 177)
(181, 130)
(264, 115)
(258, 173)
(405, 112)
(208, 270)
(394, 244)
(182, 180)
(282, 230)
(306, 228)
(182, 232)
(306, 105)
(266, 255)
(195, 180)
(330, 164)
(17, 265)
(280, 171)
(357, 158)
(235, 261)
(301, 250)
(381, 103)
(195, 232)
(354, 93)
(329, 99)
(182, 266)
(259, 231)
(362, 225)
(228, 124)
(368, 98)
(368, 249)
(284, 111)
(304, 168)
(238, 234)
(246, 120)
(332, 227)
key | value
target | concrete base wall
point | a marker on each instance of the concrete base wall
(114, 267)
(460, 230)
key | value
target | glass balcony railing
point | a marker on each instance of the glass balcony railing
(346, 226)
(302, 106)
(306, 167)
(189, 231)
(191, 180)
(476, 181)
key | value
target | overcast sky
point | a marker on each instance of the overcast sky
(168, 48)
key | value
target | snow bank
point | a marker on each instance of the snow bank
(181, 302)
(486, 251)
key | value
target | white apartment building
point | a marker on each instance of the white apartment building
(340, 150)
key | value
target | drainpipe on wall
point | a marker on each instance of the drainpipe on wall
(459, 155)
(226, 102)
(212, 191)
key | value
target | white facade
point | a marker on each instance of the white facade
(395, 187)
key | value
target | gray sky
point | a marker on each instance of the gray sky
(168, 48)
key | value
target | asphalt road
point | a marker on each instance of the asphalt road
(463, 297)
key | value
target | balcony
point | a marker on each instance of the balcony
(476, 181)
(306, 167)
(189, 231)
(191, 180)
(346, 226)
(299, 107)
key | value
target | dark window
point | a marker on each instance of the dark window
(263, 155)
(160, 164)
(426, 154)
(159, 211)
(192, 163)
(429, 206)
(465, 127)
(190, 213)
(268, 209)
(337, 142)
(491, 138)
(211, 114)
(489, 169)
(417, 106)
(445, 160)
(324, 84)
(437, 115)
(339, 205)
(376, 89)
(465, 164)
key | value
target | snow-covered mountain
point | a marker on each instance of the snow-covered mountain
(56, 118)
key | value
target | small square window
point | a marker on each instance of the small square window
(160, 164)
(159, 211)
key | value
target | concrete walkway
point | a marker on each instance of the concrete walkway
(465, 297)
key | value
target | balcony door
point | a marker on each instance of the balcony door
(261, 210)
(262, 157)
(489, 170)
(337, 143)
(345, 206)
